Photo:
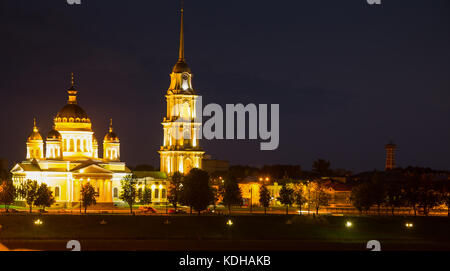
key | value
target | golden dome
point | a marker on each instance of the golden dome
(35, 135)
(54, 135)
(111, 136)
(181, 67)
(72, 111)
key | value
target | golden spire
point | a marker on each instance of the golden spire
(72, 91)
(181, 52)
(110, 125)
(35, 129)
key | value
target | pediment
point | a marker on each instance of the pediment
(92, 168)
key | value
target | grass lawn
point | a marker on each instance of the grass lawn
(431, 230)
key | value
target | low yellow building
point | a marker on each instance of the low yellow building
(338, 192)
(156, 181)
(68, 157)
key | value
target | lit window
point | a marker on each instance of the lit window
(156, 193)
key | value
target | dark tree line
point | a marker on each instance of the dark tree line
(418, 192)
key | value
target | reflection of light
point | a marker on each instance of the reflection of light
(348, 224)
(38, 222)
(409, 225)
(230, 222)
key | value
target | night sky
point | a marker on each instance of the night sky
(348, 76)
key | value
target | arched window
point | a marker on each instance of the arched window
(65, 145)
(72, 145)
(78, 145)
(163, 193)
(115, 192)
(57, 192)
(156, 193)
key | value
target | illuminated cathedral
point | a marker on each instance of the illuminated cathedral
(180, 150)
(68, 157)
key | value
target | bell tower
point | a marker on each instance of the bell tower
(180, 150)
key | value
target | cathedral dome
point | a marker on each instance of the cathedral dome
(111, 136)
(35, 135)
(181, 67)
(54, 135)
(72, 111)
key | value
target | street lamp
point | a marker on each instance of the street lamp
(348, 224)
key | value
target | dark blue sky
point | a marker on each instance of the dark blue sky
(348, 76)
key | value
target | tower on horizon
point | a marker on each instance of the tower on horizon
(390, 156)
(180, 150)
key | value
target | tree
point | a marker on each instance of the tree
(232, 194)
(446, 201)
(320, 196)
(28, 191)
(428, 199)
(377, 191)
(286, 197)
(88, 196)
(394, 196)
(411, 193)
(8, 193)
(196, 191)
(300, 198)
(128, 192)
(360, 197)
(44, 196)
(175, 189)
(146, 196)
(321, 167)
(264, 197)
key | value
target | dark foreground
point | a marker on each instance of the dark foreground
(213, 245)
(275, 232)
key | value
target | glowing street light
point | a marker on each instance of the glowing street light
(230, 222)
(38, 222)
(348, 224)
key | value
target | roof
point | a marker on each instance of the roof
(153, 174)
(72, 111)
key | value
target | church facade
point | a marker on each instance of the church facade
(68, 157)
(181, 150)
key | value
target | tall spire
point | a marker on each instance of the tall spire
(181, 51)
(72, 91)
(110, 125)
(181, 65)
